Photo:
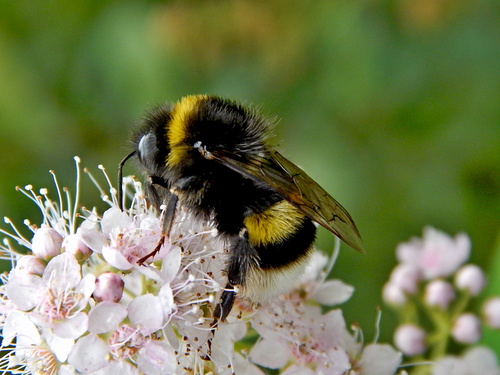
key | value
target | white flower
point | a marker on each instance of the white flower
(290, 329)
(300, 332)
(436, 254)
(130, 238)
(80, 303)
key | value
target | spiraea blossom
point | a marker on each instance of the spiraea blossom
(432, 291)
(77, 302)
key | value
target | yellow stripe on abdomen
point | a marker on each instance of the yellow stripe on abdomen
(273, 225)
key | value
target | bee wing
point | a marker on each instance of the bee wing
(298, 188)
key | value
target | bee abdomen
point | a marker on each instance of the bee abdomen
(282, 235)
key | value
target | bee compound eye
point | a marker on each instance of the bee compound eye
(147, 148)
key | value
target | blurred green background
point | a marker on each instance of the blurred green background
(393, 106)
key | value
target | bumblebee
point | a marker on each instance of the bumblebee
(213, 157)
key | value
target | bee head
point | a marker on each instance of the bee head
(151, 146)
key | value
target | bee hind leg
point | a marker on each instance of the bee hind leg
(225, 305)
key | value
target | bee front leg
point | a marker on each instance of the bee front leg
(243, 256)
(166, 225)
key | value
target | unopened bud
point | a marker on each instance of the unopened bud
(467, 329)
(30, 265)
(73, 244)
(406, 277)
(471, 278)
(491, 311)
(410, 339)
(393, 295)
(439, 293)
(46, 243)
(108, 287)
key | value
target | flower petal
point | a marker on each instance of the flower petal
(379, 359)
(18, 324)
(62, 272)
(73, 327)
(118, 368)
(243, 366)
(338, 364)
(88, 354)
(298, 370)
(167, 299)
(105, 317)
(116, 259)
(59, 346)
(482, 360)
(270, 354)
(25, 291)
(146, 311)
(93, 239)
(171, 264)
(333, 292)
(156, 358)
(115, 218)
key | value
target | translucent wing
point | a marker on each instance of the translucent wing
(298, 188)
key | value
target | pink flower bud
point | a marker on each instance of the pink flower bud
(471, 278)
(393, 295)
(491, 311)
(406, 277)
(46, 243)
(467, 329)
(439, 293)
(73, 244)
(109, 287)
(30, 265)
(410, 339)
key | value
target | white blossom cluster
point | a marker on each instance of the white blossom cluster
(78, 302)
(432, 283)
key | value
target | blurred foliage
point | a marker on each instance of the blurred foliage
(393, 106)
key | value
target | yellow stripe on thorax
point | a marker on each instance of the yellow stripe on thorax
(178, 127)
(274, 224)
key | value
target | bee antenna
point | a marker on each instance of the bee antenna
(120, 179)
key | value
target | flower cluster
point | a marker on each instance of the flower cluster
(431, 288)
(77, 301)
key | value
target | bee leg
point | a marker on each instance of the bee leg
(225, 305)
(166, 225)
(243, 256)
(221, 312)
